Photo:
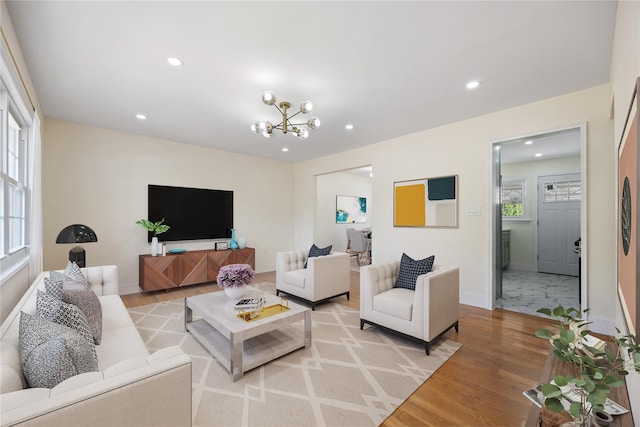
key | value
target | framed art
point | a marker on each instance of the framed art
(426, 202)
(628, 215)
(351, 209)
(220, 246)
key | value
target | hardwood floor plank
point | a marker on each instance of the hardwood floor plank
(480, 385)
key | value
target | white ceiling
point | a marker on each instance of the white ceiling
(390, 68)
(565, 143)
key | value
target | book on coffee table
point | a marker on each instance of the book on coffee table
(248, 303)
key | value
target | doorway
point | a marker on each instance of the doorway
(522, 260)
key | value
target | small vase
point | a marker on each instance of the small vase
(233, 244)
(154, 246)
(234, 292)
(242, 242)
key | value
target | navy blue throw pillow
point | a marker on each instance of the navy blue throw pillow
(410, 269)
(316, 251)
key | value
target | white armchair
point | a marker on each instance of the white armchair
(425, 314)
(325, 276)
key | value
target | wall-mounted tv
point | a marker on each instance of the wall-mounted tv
(192, 213)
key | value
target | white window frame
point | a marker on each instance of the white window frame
(14, 99)
(524, 184)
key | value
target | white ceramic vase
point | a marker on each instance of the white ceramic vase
(234, 292)
(154, 246)
(242, 242)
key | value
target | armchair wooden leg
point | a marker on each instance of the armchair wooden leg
(277, 292)
(348, 297)
(361, 324)
(456, 326)
(427, 347)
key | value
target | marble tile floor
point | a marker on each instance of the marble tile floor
(526, 292)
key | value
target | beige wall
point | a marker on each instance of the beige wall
(523, 239)
(99, 177)
(464, 148)
(625, 69)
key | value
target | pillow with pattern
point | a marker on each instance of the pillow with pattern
(51, 353)
(62, 313)
(78, 294)
(73, 271)
(53, 287)
(410, 269)
(316, 251)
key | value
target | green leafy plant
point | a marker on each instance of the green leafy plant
(596, 369)
(154, 227)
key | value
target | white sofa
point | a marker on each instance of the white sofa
(425, 314)
(132, 387)
(324, 278)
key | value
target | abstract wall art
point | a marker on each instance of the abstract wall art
(351, 210)
(426, 202)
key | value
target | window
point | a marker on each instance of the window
(514, 199)
(562, 191)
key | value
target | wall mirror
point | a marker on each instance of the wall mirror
(426, 202)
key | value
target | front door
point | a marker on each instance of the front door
(558, 223)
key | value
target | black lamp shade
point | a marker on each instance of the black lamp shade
(77, 233)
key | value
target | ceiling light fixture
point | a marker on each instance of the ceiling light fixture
(349, 126)
(529, 142)
(266, 128)
(141, 117)
(473, 84)
(538, 154)
(176, 62)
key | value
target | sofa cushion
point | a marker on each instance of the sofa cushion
(316, 251)
(120, 344)
(295, 278)
(53, 287)
(82, 296)
(51, 353)
(410, 269)
(62, 313)
(397, 302)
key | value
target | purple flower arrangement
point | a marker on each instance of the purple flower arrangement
(235, 275)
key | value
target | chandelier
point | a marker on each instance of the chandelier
(266, 128)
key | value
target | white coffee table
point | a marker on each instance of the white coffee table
(240, 345)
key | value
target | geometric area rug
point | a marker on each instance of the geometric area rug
(348, 377)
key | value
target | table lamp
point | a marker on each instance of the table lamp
(77, 233)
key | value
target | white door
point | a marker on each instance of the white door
(558, 223)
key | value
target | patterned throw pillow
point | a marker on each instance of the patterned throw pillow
(81, 296)
(316, 251)
(51, 353)
(410, 269)
(57, 311)
(73, 271)
(53, 287)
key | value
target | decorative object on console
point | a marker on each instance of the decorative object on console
(221, 246)
(242, 242)
(77, 233)
(232, 278)
(596, 368)
(233, 243)
(266, 128)
(155, 228)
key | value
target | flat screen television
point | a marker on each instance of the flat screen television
(192, 213)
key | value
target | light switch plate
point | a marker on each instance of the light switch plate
(474, 211)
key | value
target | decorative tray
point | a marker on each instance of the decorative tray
(270, 310)
(176, 251)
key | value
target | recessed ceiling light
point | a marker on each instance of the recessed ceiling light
(473, 84)
(176, 62)
(529, 142)
(141, 117)
(349, 126)
(285, 149)
(538, 154)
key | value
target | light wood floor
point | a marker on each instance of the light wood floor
(480, 385)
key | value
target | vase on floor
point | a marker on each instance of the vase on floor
(234, 292)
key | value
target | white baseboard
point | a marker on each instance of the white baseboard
(475, 300)
(602, 325)
(129, 288)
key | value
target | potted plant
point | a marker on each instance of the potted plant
(596, 368)
(156, 228)
(232, 278)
